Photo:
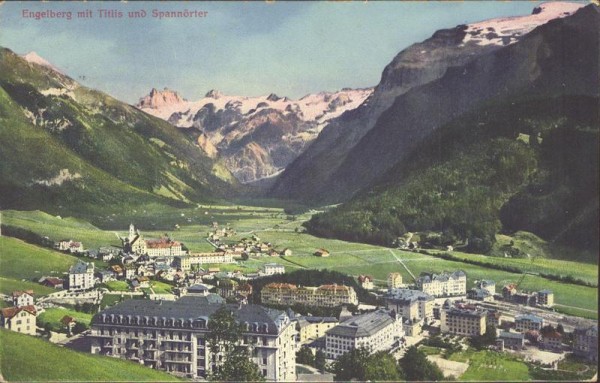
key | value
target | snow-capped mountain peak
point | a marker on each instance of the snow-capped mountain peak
(508, 30)
(257, 136)
(34, 58)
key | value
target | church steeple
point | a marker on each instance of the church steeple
(132, 232)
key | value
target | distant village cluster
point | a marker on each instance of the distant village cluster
(168, 330)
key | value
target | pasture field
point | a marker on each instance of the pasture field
(58, 229)
(273, 225)
(53, 316)
(491, 366)
(8, 285)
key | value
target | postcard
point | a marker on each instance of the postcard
(299, 191)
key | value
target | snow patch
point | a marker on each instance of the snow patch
(34, 58)
(310, 107)
(508, 30)
(63, 176)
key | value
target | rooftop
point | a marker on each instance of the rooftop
(9, 312)
(81, 268)
(444, 277)
(406, 295)
(191, 308)
(512, 335)
(364, 325)
(529, 317)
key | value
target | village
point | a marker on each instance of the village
(152, 303)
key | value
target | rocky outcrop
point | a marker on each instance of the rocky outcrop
(159, 99)
(257, 136)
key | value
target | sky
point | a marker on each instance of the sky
(238, 48)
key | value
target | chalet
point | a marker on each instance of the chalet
(143, 282)
(366, 281)
(68, 322)
(551, 340)
(19, 319)
(22, 298)
(322, 253)
(70, 246)
(52, 282)
(118, 271)
(105, 276)
(286, 252)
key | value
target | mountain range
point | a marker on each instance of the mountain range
(425, 86)
(257, 137)
(506, 139)
(68, 148)
(482, 128)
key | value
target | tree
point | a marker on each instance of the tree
(224, 340)
(305, 356)
(488, 338)
(415, 366)
(560, 329)
(79, 328)
(381, 367)
(351, 365)
(320, 362)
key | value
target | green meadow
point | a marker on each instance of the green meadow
(26, 358)
(283, 231)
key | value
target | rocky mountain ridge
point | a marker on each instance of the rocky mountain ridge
(326, 160)
(256, 136)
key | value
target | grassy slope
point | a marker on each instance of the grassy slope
(60, 228)
(54, 315)
(111, 145)
(26, 358)
(19, 260)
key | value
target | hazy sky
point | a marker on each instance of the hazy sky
(249, 48)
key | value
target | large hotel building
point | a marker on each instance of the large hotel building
(171, 336)
(324, 295)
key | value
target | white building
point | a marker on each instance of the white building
(273, 268)
(207, 258)
(70, 246)
(394, 280)
(376, 331)
(410, 304)
(441, 285)
(172, 336)
(81, 276)
(22, 298)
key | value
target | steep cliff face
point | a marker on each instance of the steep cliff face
(508, 141)
(276, 127)
(414, 67)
